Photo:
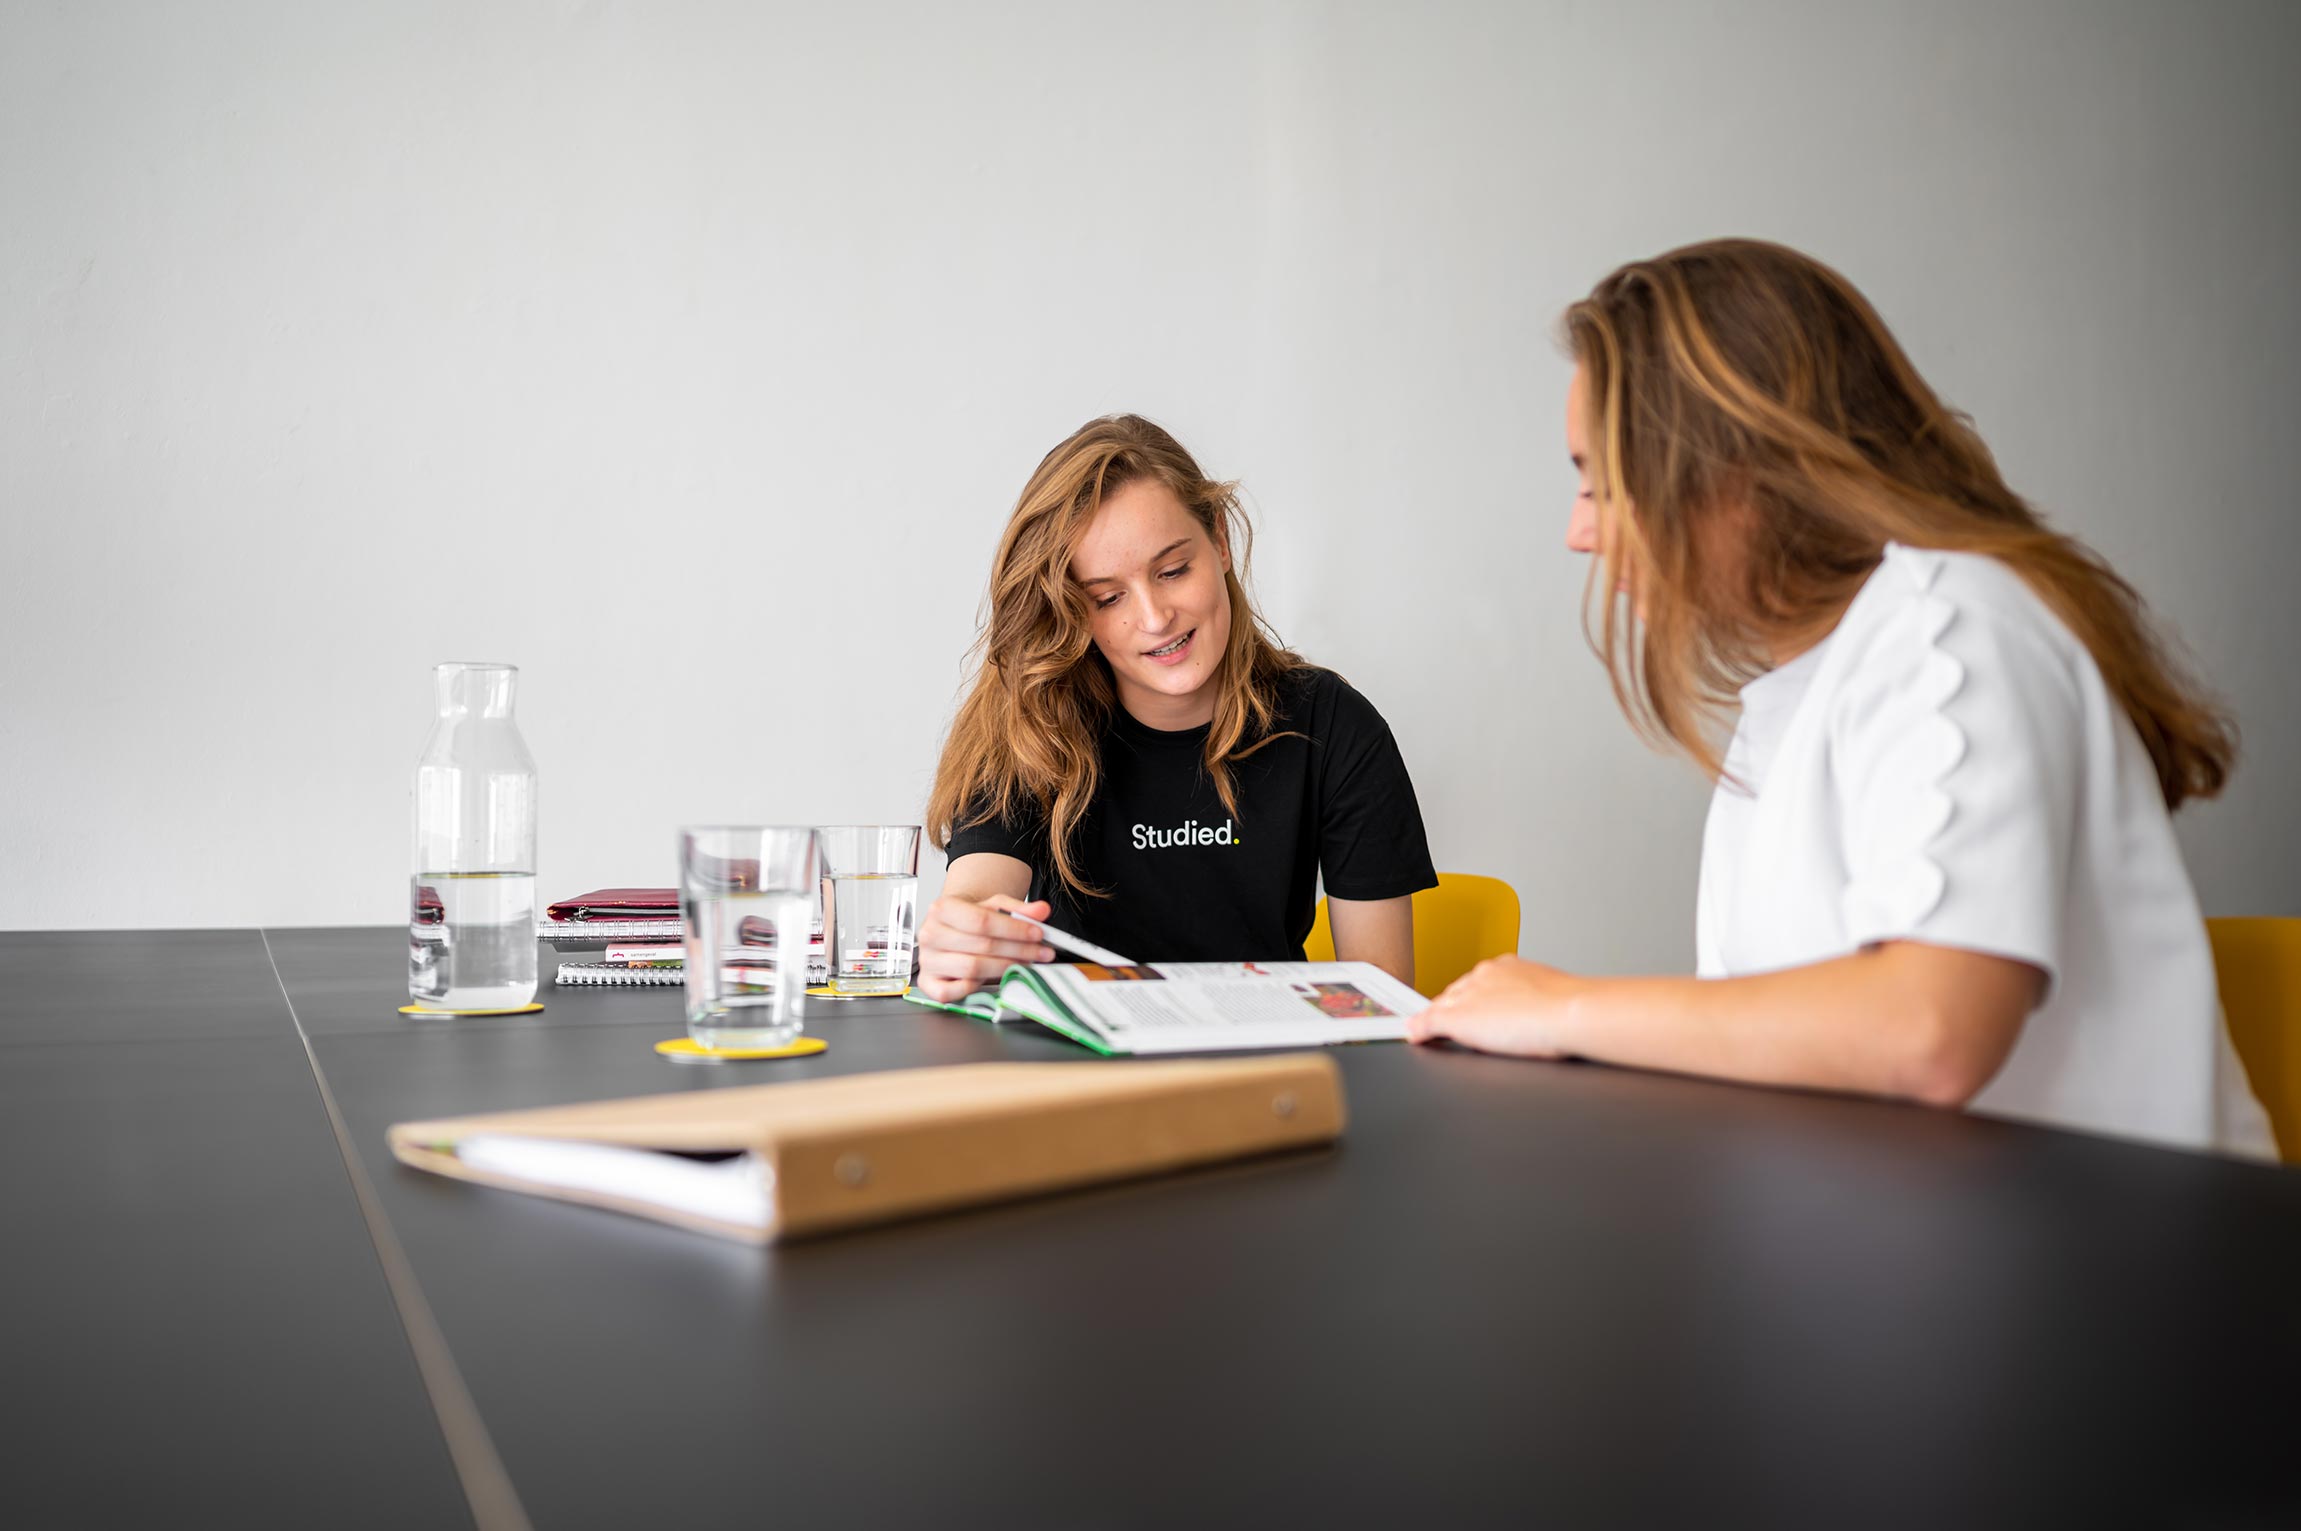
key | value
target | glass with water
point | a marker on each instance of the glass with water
(747, 901)
(870, 905)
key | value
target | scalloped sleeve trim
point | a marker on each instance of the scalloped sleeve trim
(1898, 880)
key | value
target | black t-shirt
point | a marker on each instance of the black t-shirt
(1190, 881)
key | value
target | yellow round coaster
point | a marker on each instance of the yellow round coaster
(688, 1050)
(428, 1010)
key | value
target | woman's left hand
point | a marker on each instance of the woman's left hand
(1503, 1005)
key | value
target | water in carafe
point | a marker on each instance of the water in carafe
(471, 914)
(471, 940)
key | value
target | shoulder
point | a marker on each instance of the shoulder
(1951, 679)
(1923, 607)
(982, 826)
(1318, 702)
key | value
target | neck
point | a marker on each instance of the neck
(1168, 714)
(1787, 643)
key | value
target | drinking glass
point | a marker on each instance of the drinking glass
(747, 902)
(870, 905)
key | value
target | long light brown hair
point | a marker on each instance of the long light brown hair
(1027, 738)
(1742, 395)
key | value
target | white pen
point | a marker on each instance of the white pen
(1075, 944)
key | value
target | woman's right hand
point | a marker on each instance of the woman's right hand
(965, 945)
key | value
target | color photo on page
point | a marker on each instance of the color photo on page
(1343, 1001)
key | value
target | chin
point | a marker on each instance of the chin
(1167, 683)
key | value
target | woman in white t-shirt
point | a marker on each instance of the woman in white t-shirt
(1939, 864)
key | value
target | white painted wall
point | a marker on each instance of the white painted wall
(339, 339)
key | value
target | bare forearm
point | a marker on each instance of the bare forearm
(1380, 931)
(1903, 1019)
(1824, 1026)
(985, 875)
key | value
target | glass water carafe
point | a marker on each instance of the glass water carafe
(471, 920)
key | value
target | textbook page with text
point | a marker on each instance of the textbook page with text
(1173, 1007)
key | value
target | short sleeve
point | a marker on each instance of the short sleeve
(1957, 749)
(1020, 835)
(1371, 843)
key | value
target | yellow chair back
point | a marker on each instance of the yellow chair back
(2259, 965)
(1457, 925)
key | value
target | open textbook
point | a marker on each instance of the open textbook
(1180, 1007)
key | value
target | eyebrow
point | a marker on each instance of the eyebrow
(1157, 557)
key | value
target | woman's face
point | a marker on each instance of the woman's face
(1582, 522)
(1584, 531)
(1154, 580)
(1721, 534)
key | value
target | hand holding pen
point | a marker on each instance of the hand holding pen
(965, 945)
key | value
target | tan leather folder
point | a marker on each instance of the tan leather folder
(868, 1148)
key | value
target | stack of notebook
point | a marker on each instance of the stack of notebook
(638, 936)
(636, 932)
(612, 914)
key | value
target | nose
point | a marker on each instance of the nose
(1582, 527)
(1157, 610)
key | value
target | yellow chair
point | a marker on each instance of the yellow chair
(2259, 965)
(1457, 925)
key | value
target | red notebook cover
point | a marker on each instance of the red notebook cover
(618, 904)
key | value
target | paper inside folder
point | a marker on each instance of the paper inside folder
(739, 1189)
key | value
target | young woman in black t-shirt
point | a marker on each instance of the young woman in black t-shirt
(1140, 760)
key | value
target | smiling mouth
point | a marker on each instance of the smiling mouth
(1174, 647)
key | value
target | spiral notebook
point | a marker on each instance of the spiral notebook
(629, 977)
(598, 932)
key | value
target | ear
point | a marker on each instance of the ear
(1220, 532)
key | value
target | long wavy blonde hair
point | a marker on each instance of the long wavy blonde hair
(1743, 391)
(1027, 738)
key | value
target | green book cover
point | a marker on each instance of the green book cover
(1024, 992)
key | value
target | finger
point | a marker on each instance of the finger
(967, 973)
(929, 984)
(945, 989)
(949, 962)
(954, 914)
(969, 928)
(983, 920)
(1027, 949)
(991, 958)
(997, 923)
(1015, 933)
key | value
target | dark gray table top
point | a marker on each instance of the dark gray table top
(1518, 1292)
(196, 1328)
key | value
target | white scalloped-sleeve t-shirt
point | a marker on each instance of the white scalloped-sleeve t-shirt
(1947, 766)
